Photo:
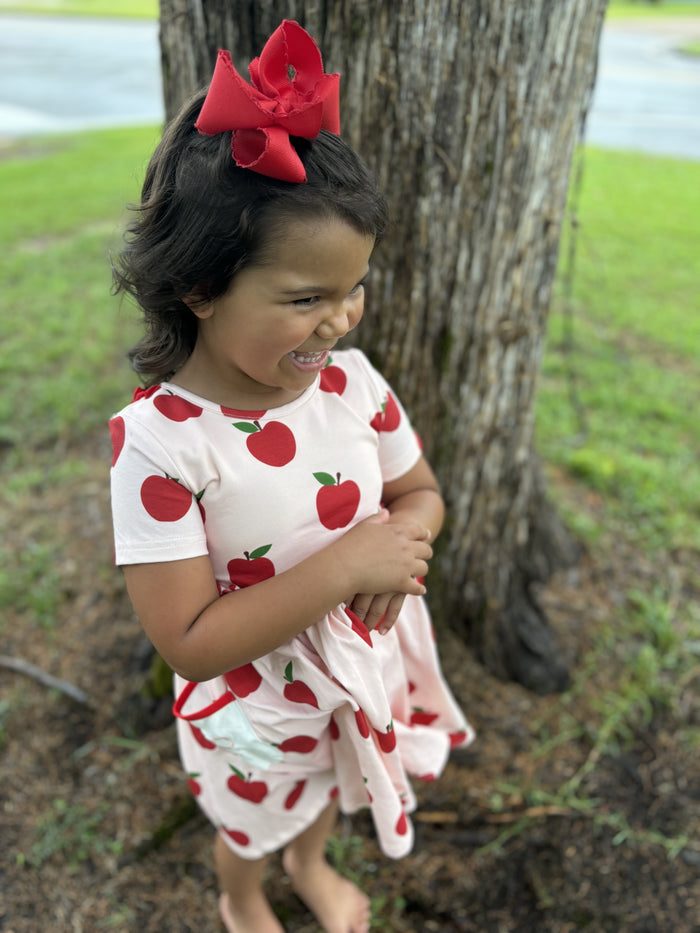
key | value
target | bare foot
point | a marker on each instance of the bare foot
(338, 905)
(253, 917)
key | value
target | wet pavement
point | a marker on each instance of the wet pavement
(647, 95)
(60, 74)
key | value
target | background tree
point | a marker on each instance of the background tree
(469, 114)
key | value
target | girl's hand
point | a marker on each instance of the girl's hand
(379, 611)
(382, 557)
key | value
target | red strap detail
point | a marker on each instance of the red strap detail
(213, 707)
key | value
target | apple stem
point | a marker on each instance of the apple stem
(338, 478)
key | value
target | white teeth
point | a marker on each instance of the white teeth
(307, 357)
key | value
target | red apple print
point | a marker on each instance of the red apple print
(299, 743)
(294, 795)
(369, 793)
(359, 627)
(419, 717)
(333, 793)
(144, 393)
(165, 499)
(296, 691)
(333, 379)
(243, 680)
(411, 686)
(194, 784)
(335, 731)
(243, 839)
(253, 569)
(387, 740)
(273, 444)
(201, 738)
(176, 408)
(336, 502)
(389, 418)
(255, 791)
(117, 431)
(426, 777)
(362, 725)
(402, 825)
(456, 738)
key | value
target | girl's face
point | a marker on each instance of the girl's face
(265, 340)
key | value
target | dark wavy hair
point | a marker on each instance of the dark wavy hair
(202, 219)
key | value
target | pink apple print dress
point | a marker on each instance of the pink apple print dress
(337, 711)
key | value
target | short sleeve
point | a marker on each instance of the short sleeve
(399, 448)
(155, 516)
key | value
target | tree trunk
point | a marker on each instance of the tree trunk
(468, 114)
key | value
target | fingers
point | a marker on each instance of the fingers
(360, 605)
(378, 612)
(391, 614)
(377, 609)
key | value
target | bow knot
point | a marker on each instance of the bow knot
(289, 96)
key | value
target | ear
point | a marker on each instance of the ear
(199, 304)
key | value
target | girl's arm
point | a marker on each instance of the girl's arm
(414, 497)
(201, 634)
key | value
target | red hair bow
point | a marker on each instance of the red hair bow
(290, 96)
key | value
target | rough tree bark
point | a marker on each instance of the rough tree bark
(469, 114)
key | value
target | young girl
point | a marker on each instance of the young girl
(272, 509)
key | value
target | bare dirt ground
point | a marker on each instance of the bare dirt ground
(99, 831)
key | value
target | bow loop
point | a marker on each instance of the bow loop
(290, 95)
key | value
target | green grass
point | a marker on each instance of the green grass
(629, 9)
(123, 9)
(628, 342)
(62, 335)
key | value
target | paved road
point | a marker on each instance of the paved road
(647, 95)
(59, 74)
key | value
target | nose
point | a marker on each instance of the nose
(341, 318)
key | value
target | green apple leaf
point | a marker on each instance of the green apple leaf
(288, 673)
(259, 552)
(325, 479)
(246, 426)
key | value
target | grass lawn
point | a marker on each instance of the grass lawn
(123, 9)
(616, 405)
(148, 9)
(633, 9)
(63, 200)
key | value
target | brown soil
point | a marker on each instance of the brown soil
(99, 832)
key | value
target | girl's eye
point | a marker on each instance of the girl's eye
(313, 300)
(306, 302)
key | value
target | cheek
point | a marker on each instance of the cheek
(358, 310)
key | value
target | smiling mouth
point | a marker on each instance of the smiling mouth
(309, 361)
(307, 357)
